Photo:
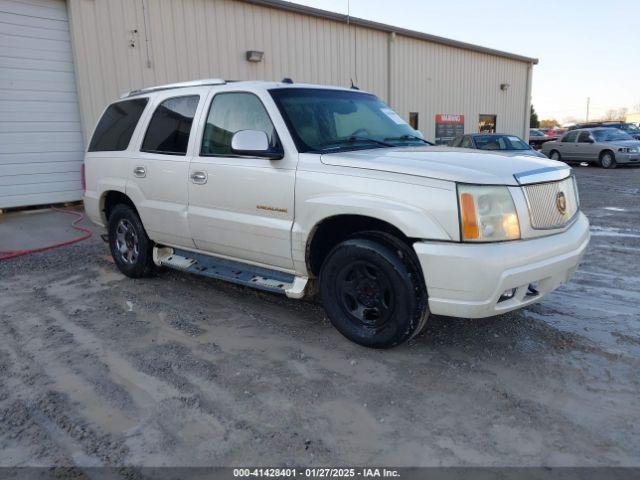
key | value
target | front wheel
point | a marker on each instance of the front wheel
(371, 295)
(607, 160)
(555, 155)
(131, 248)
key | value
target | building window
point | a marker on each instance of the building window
(169, 128)
(413, 120)
(487, 123)
(116, 126)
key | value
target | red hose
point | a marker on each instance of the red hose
(7, 254)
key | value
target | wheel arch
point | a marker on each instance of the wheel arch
(332, 230)
(109, 200)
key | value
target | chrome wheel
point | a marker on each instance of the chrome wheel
(555, 155)
(127, 244)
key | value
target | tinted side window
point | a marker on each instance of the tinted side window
(570, 137)
(584, 137)
(116, 126)
(456, 142)
(230, 113)
(170, 125)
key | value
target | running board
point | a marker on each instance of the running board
(231, 271)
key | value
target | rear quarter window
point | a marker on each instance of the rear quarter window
(116, 126)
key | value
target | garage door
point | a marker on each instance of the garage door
(41, 147)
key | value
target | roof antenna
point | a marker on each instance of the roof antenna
(355, 46)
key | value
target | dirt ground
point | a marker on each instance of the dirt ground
(98, 369)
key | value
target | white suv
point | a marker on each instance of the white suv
(305, 189)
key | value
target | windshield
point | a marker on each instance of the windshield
(629, 127)
(610, 135)
(500, 142)
(335, 120)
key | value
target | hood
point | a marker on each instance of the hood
(445, 163)
(624, 143)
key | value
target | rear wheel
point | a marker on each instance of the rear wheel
(607, 159)
(371, 294)
(131, 248)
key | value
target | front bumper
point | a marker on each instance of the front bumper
(622, 157)
(467, 280)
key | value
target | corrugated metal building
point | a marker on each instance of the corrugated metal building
(62, 62)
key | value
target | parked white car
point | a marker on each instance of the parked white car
(301, 189)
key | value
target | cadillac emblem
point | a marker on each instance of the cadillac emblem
(561, 203)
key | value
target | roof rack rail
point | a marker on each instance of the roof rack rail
(194, 83)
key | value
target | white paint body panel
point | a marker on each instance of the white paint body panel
(466, 280)
(41, 144)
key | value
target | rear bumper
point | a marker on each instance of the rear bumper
(92, 208)
(467, 280)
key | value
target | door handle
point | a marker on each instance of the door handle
(140, 172)
(199, 177)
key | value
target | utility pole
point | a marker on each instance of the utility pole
(588, 100)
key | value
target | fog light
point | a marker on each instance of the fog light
(507, 295)
(532, 290)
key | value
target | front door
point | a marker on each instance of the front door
(241, 206)
(585, 147)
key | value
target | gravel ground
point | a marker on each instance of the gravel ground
(98, 369)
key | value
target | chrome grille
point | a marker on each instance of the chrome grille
(543, 200)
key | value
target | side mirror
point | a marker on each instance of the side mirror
(254, 143)
(591, 140)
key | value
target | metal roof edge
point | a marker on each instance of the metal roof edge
(317, 12)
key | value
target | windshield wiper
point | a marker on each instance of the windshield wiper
(355, 139)
(409, 137)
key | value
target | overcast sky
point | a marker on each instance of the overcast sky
(586, 48)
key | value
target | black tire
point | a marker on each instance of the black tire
(372, 292)
(131, 248)
(607, 159)
(559, 158)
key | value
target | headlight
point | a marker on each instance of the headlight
(629, 149)
(487, 214)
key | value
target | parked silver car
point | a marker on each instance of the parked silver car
(605, 146)
(509, 145)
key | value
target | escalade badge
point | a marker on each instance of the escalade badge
(561, 203)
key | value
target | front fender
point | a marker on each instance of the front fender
(414, 221)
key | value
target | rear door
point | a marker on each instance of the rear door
(242, 207)
(158, 172)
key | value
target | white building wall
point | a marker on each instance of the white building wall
(125, 44)
(430, 78)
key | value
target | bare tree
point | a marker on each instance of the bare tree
(549, 123)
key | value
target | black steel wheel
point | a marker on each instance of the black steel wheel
(371, 294)
(365, 294)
